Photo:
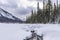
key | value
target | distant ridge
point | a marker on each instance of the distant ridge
(8, 17)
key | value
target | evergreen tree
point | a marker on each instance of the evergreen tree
(54, 13)
(39, 14)
(49, 14)
(48, 11)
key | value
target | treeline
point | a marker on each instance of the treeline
(49, 14)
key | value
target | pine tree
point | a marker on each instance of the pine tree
(59, 13)
(39, 14)
(48, 11)
(54, 13)
(44, 12)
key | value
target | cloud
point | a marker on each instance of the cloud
(19, 8)
(23, 10)
(8, 3)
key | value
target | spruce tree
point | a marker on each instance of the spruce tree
(48, 11)
(39, 14)
(54, 13)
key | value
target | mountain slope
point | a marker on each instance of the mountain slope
(8, 17)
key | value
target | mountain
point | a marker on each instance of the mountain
(8, 17)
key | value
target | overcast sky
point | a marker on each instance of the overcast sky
(20, 8)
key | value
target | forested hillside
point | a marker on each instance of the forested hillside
(49, 14)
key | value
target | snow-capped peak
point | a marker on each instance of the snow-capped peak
(8, 17)
(5, 14)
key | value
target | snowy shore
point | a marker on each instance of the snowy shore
(21, 31)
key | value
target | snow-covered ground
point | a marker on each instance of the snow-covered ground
(21, 31)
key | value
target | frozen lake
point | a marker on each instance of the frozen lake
(21, 31)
